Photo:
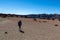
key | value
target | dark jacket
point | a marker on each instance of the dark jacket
(19, 23)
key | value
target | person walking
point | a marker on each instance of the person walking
(20, 25)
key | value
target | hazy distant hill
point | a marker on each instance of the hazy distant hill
(42, 16)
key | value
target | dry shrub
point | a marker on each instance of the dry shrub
(59, 19)
(6, 33)
(53, 18)
(35, 19)
(56, 25)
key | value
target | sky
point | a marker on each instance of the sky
(23, 7)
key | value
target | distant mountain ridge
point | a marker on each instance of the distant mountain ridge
(41, 16)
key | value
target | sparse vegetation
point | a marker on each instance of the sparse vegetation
(53, 18)
(41, 16)
(35, 19)
(56, 25)
(59, 19)
(6, 33)
(32, 28)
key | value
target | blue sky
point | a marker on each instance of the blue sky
(24, 7)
